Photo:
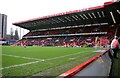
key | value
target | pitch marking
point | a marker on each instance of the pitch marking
(43, 60)
(20, 57)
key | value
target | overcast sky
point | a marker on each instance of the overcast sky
(18, 10)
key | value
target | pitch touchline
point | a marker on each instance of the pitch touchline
(41, 60)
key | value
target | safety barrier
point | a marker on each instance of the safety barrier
(97, 66)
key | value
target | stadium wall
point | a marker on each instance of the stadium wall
(99, 65)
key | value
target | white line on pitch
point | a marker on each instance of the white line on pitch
(66, 55)
(43, 60)
(20, 65)
(21, 57)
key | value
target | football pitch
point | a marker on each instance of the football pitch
(42, 61)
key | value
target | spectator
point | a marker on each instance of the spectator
(115, 46)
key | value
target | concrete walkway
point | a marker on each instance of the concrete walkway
(115, 69)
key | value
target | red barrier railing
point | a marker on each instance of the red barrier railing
(78, 68)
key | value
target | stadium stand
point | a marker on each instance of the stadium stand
(89, 27)
(65, 36)
(90, 22)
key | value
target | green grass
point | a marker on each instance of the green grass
(57, 60)
(0, 60)
(13, 61)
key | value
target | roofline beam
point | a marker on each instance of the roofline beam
(90, 15)
(118, 11)
(85, 16)
(54, 20)
(77, 17)
(60, 19)
(99, 14)
(74, 17)
(67, 18)
(82, 17)
(112, 17)
(103, 14)
(72, 26)
(94, 15)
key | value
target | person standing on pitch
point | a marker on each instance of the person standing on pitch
(24, 44)
(115, 46)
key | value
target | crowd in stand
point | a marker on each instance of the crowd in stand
(68, 41)
(60, 31)
(80, 41)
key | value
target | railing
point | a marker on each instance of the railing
(97, 66)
